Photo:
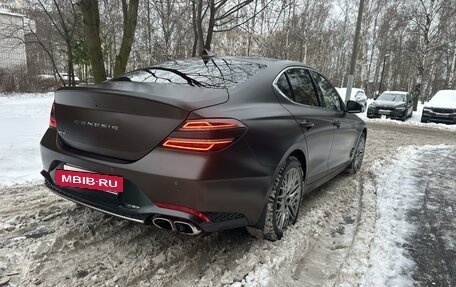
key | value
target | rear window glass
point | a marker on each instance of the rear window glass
(218, 73)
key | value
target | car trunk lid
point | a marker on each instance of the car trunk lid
(126, 120)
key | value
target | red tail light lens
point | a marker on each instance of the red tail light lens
(205, 135)
(188, 210)
(197, 145)
(52, 121)
(210, 124)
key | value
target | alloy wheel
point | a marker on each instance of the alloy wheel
(288, 199)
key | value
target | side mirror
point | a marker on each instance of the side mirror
(354, 107)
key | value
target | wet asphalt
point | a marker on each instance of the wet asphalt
(433, 244)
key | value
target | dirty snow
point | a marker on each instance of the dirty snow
(23, 121)
(334, 243)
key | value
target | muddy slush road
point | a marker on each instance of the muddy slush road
(48, 241)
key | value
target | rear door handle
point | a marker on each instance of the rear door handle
(336, 123)
(307, 124)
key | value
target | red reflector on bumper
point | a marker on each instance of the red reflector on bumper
(194, 212)
(197, 145)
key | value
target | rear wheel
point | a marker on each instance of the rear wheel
(358, 157)
(283, 204)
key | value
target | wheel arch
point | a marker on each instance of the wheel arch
(302, 158)
(299, 154)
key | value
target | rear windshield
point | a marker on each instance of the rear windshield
(218, 73)
(393, 97)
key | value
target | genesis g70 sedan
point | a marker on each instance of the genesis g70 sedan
(202, 145)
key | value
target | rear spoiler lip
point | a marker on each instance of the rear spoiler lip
(185, 98)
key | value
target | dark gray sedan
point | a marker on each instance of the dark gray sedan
(392, 104)
(192, 145)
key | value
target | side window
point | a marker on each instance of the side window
(284, 87)
(331, 99)
(303, 89)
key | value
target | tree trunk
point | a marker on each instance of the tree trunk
(130, 14)
(71, 81)
(452, 70)
(91, 21)
(210, 27)
(199, 25)
(149, 33)
(195, 28)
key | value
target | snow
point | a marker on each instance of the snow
(395, 193)
(23, 120)
(399, 191)
(443, 99)
(330, 245)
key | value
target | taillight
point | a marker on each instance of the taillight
(188, 210)
(210, 124)
(205, 135)
(52, 121)
(197, 145)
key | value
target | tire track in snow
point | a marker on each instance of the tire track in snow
(88, 248)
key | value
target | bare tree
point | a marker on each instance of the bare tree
(91, 20)
(130, 17)
(64, 18)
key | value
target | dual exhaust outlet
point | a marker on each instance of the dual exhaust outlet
(183, 227)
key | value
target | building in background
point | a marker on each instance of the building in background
(12, 4)
(12, 40)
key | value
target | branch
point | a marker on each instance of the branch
(232, 10)
(52, 19)
(242, 23)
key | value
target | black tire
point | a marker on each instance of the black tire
(275, 224)
(358, 156)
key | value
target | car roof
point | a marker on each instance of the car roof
(396, 92)
(354, 90)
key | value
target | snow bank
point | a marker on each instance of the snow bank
(398, 191)
(23, 120)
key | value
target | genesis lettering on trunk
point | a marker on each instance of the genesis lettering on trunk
(96, 125)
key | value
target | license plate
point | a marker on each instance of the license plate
(384, 112)
(80, 178)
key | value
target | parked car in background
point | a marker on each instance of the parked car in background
(66, 78)
(441, 108)
(357, 95)
(392, 104)
(192, 145)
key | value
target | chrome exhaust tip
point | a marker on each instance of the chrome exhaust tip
(163, 223)
(186, 228)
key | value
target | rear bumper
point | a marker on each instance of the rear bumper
(230, 187)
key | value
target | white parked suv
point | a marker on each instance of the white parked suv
(441, 108)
